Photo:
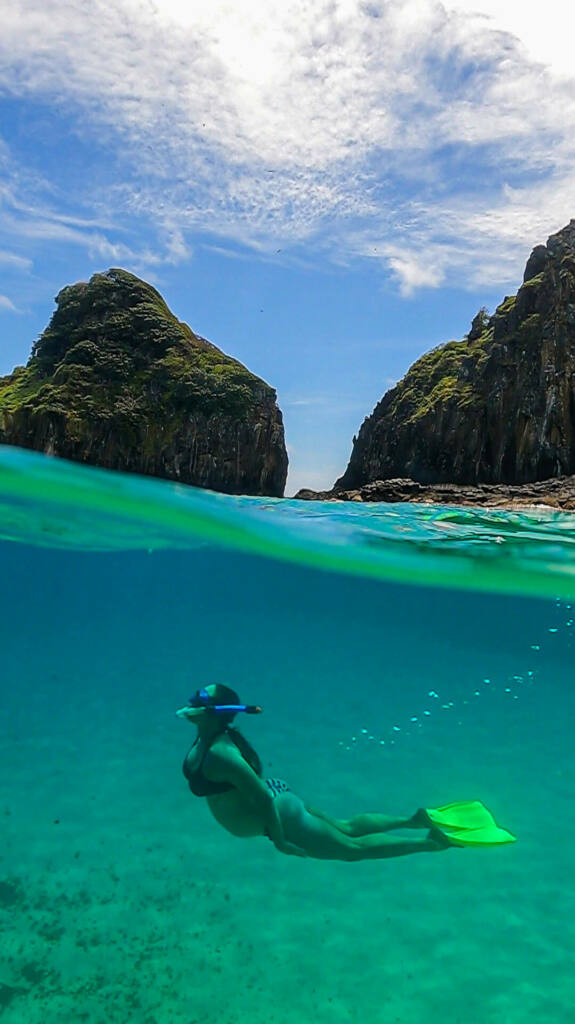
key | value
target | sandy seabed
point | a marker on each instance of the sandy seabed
(122, 900)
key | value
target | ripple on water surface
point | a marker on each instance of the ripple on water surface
(53, 503)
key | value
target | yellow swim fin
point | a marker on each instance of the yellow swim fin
(468, 823)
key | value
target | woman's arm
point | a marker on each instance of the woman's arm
(229, 766)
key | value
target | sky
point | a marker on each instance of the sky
(325, 189)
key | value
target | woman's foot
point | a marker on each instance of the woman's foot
(439, 838)
(420, 819)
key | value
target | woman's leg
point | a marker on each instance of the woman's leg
(368, 824)
(324, 841)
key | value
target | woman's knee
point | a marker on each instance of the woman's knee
(351, 849)
(320, 837)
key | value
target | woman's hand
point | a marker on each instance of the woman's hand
(290, 848)
(276, 834)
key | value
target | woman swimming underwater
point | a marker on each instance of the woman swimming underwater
(223, 767)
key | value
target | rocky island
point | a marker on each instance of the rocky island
(488, 420)
(117, 381)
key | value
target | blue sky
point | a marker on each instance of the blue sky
(323, 188)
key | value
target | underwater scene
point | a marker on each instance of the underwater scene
(404, 657)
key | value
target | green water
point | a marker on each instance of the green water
(52, 503)
(404, 656)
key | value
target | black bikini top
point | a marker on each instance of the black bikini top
(199, 785)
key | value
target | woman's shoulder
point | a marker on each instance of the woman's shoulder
(228, 749)
(231, 749)
(225, 746)
(224, 762)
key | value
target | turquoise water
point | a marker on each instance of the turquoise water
(399, 664)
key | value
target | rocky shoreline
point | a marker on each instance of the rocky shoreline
(557, 493)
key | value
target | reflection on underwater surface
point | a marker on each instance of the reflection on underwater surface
(122, 900)
(53, 503)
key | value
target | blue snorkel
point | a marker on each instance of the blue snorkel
(201, 699)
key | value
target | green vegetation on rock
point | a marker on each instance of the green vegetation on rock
(116, 375)
(496, 407)
(438, 377)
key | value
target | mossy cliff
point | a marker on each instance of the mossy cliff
(116, 380)
(497, 407)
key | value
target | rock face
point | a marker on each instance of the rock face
(117, 381)
(497, 407)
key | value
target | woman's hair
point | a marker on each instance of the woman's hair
(220, 694)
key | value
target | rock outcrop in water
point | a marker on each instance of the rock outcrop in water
(117, 381)
(555, 493)
(497, 407)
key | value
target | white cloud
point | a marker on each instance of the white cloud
(545, 30)
(14, 261)
(316, 123)
(414, 271)
(7, 305)
(307, 401)
(31, 223)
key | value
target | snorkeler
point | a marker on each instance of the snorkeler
(223, 767)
